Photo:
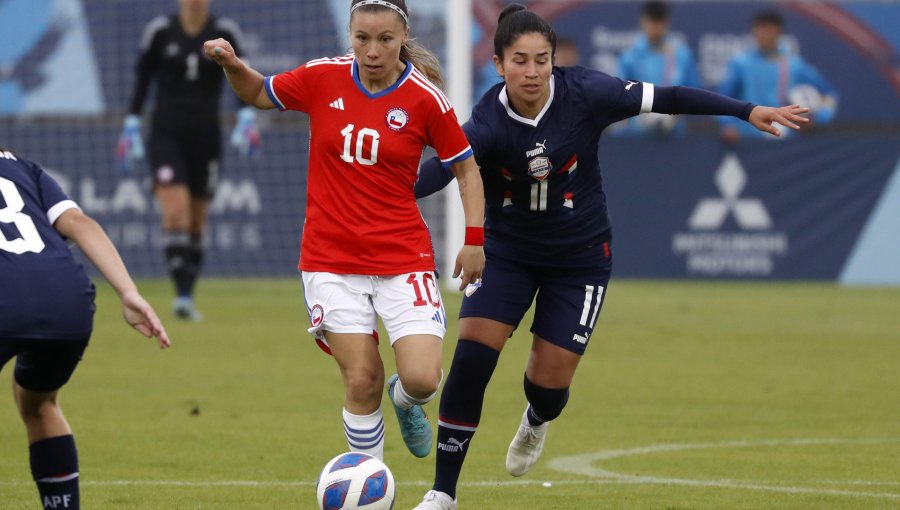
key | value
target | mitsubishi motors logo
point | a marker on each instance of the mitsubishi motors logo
(712, 247)
(749, 213)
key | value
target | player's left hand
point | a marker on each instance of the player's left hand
(130, 148)
(762, 118)
(245, 135)
(469, 264)
(141, 316)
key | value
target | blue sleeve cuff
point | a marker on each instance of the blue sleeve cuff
(462, 156)
(433, 177)
(270, 91)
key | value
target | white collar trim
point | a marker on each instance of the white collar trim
(504, 99)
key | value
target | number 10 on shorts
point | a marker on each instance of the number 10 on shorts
(420, 281)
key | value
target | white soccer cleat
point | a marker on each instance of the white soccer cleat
(526, 447)
(436, 500)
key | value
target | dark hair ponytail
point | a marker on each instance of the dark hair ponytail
(516, 20)
(422, 59)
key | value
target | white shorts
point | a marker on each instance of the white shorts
(408, 304)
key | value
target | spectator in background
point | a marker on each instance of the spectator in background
(567, 54)
(771, 74)
(661, 58)
(185, 137)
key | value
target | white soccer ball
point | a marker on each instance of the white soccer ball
(355, 481)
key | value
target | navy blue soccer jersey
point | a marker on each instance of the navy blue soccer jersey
(44, 292)
(542, 184)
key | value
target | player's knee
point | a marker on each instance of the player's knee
(36, 410)
(363, 384)
(547, 403)
(421, 383)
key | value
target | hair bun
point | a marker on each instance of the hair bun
(510, 9)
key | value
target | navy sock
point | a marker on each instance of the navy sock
(178, 258)
(461, 402)
(544, 404)
(54, 467)
(195, 261)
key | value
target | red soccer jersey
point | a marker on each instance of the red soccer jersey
(364, 152)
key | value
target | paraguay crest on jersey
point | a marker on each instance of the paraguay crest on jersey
(539, 166)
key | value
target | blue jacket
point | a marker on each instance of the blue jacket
(670, 64)
(769, 80)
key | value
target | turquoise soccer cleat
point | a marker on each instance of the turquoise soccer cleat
(414, 425)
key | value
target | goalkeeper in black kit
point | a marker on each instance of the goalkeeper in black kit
(184, 146)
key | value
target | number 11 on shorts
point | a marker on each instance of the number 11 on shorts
(591, 304)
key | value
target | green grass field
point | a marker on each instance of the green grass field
(691, 396)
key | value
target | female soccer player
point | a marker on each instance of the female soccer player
(535, 137)
(185, 138)
(366, 251)
(47, 311)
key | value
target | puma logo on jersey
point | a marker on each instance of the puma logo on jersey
(338, 103)
(541, 147)
(631, 84)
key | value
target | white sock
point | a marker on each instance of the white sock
(365, 434)
(405, 400)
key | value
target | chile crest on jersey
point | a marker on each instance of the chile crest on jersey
(397, 118)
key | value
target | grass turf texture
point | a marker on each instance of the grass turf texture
(783, 396)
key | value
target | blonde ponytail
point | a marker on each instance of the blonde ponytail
(423, 60)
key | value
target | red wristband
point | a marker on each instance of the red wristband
(475, 236)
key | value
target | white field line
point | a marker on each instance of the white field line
(584, 465)
(256, 484)
(581, 465)
(494, 483)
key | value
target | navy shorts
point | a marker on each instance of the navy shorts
(568, 301)
(42, 365)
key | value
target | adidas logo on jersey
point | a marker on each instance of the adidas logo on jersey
(338, 103)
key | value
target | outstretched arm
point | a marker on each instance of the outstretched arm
(92, 240)
(246, 82)
(693, 101)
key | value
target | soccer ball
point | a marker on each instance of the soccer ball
(355, 481)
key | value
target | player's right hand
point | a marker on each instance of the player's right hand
(141, 316)
(222, 53)
(130, 149)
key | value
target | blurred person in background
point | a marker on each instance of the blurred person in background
(535, 137)
(567, 53)
(660, 58)
(770, 73)
(366, 251)
(47, 312)
(185, 145)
